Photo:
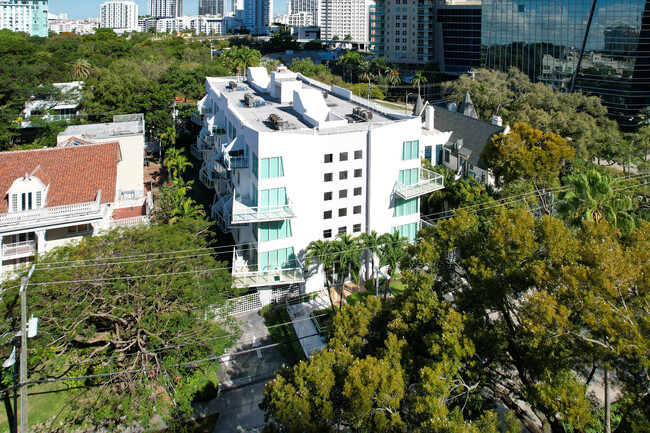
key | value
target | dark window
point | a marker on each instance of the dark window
(343, 193)
(343, 156)
(328, 177)
(343, 175)
(358, 154)
(357, 191)
(327, 196)
(329, 158)
(343, 230)
(357, 209)
(343, 211)
(327, 214)
(327, 233)
(357, 172)
(356, 228)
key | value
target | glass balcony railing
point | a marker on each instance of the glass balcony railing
(268, 277)
(428, 181)
(245, 211)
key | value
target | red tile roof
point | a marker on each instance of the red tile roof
(74, 174)
(129, 212)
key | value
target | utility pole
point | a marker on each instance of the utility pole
(24, 428)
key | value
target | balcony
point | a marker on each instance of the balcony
(207, 176)
(18, 250)
(196, 153)
(81, 212)
(221, 213)
(428, 182)
(244, 211)
(197, 119)
(227, 161)
(206, 142)
(269, 277)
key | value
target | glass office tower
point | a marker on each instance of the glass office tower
(599, 47)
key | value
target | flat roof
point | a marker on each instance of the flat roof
(257, 117)
(105, 130)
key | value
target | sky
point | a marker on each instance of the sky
(80, 9)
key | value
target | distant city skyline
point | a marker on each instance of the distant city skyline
(90, 8)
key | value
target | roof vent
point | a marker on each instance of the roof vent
(497, 120)
(452, 107)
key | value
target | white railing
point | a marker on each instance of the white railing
(428, 181)
(221, 213)
(243, 213)
(235, 161)
(197, 118)
(268, 277)
(18, 249)
(196, 152)
(130, 202)
(133, 221)
(71, 210)
(206, 179)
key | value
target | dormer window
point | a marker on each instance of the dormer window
(26, 193)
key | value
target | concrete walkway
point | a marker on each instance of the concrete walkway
(305, 329)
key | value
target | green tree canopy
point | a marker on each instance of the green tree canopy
(118, 304)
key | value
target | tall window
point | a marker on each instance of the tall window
(405, 207)
(410, 150)
(408, 177)
(272, 230)
(282, 258)
(26, 201)
(271, 168)
(272, 198)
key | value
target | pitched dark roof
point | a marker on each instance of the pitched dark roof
(74, 174)
(474, 133)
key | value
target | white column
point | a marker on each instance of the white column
(96, 227)
(40, 241)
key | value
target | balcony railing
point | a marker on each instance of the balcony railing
(128, 222)
(18, 249)
(196, 153)
(243, 211)
(197, 119)
(67, 211)
(221, 213)
(206, 176)
(268, 277)
(428, 181)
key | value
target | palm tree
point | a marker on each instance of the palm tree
(80, 68)
(365, 72)
(391, 253)
(168, 138)
(176, 162)
(187, 209)
(644, 116)
(418, 80)
(243, 57)
(379, 66)
(271, 64)
(323, 253)
(393, 76)
(348, 254)
(350, 60)
(372, 242)
(592, 198)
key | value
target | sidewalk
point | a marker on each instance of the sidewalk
(305, 329)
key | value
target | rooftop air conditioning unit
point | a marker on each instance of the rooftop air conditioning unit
(276, 121)
(233, 85)
(249, 99)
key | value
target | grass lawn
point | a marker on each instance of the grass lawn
(292, 352)
(45, 402)
(389, 104)
(396, 286)
(203, 425)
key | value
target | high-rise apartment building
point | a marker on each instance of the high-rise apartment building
(310, 6)
(166, 8)
(292, 160)
(447, 32)
(29, 16)
(211, 7)
(341, 18)
(597, 47)
(119, 15)
(258, 15)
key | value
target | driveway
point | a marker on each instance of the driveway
(242, 377)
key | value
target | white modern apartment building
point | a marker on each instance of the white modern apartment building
(257, 16)
(345, 17)
(300, 19)
(29, 16)
(80, 27)
(119, 15)
(91, 181)
(309, 6)
(215, 25)
(166, 8)
(293, 160)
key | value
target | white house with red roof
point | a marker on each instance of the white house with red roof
(52, 196)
